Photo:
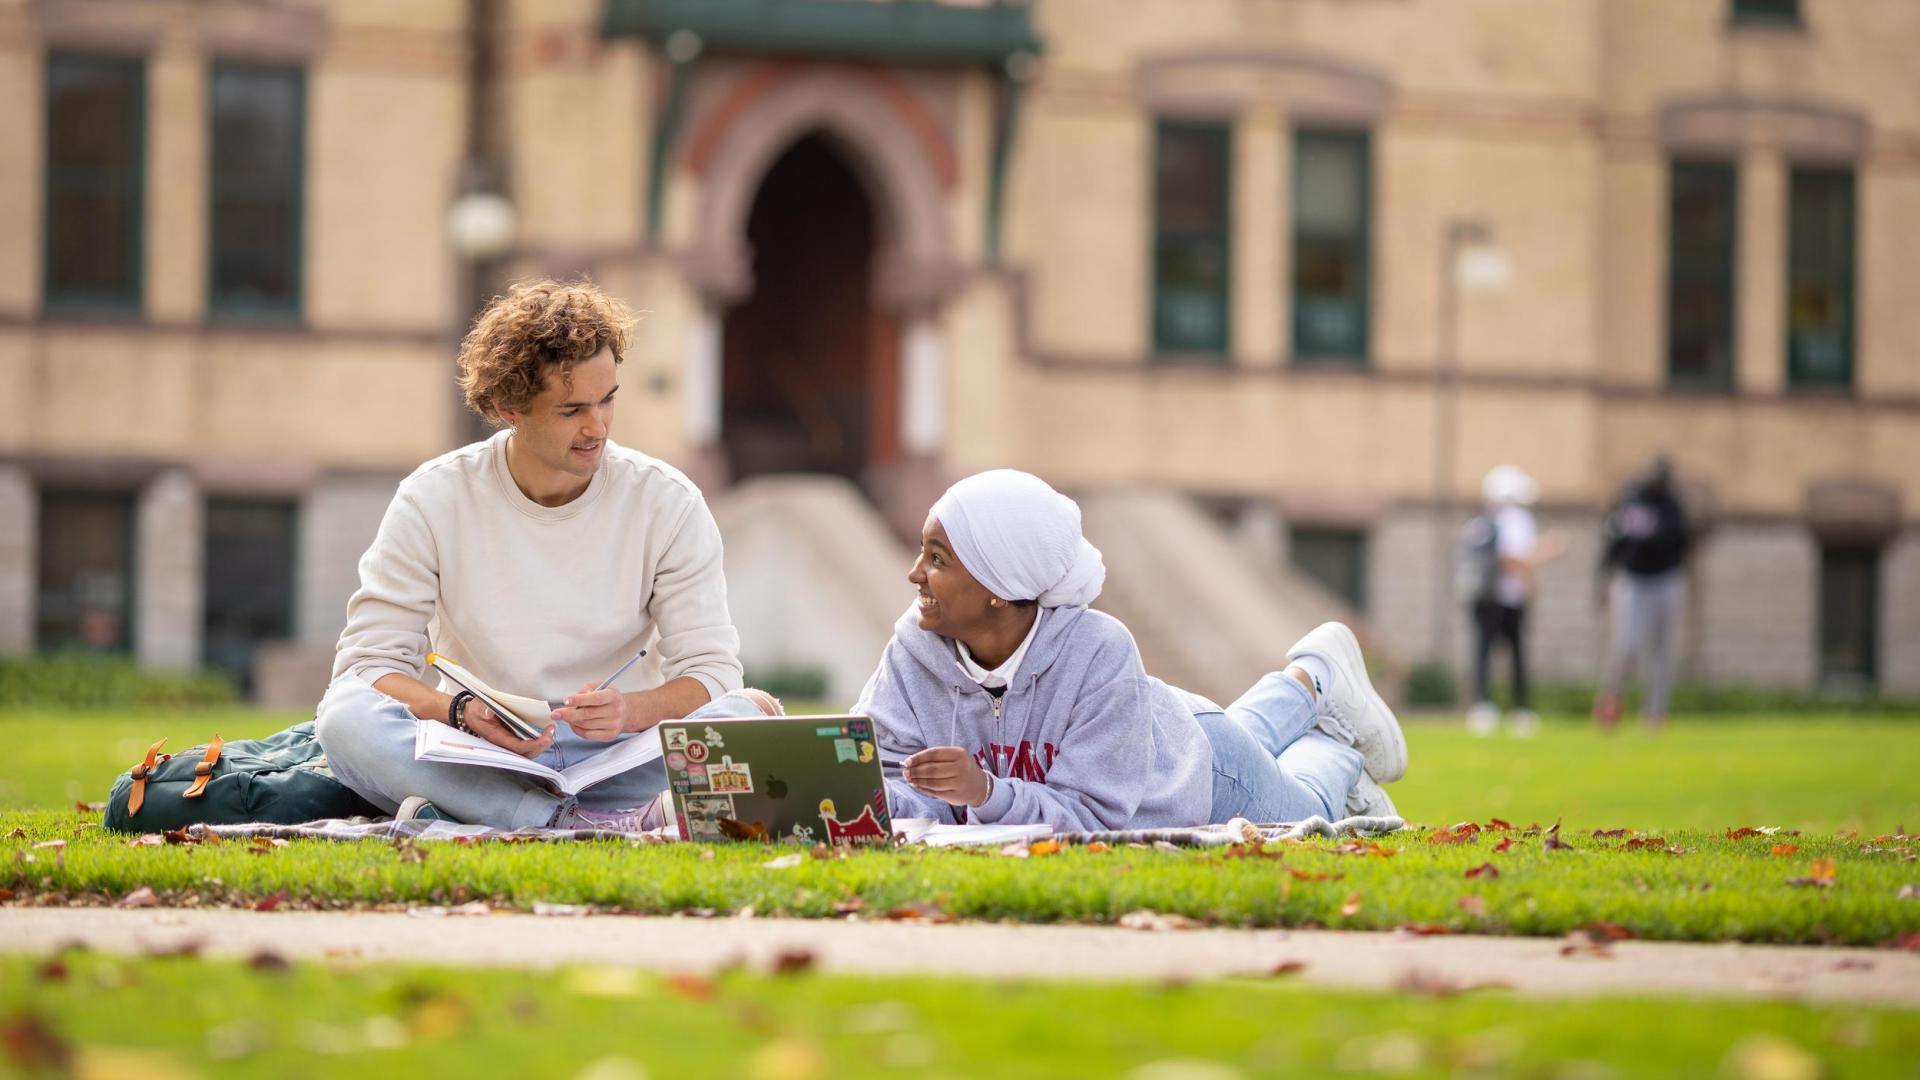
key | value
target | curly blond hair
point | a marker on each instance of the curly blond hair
(536, 328)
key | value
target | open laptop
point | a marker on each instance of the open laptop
(813, 779)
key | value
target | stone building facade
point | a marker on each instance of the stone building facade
(1319, 262)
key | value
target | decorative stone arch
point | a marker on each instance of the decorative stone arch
(904, 158)
(865, 112)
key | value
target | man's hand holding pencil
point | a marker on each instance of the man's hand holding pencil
(601, 713)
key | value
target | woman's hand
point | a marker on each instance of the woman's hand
(950, 774)
(483, 722)
(599, 715)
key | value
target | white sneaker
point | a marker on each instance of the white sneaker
(1525, 723)
(1352, 711)
(1483, 719)
(636, 819)
(1369, 799)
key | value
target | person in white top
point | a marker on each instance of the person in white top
(540, 559)
(1501, 616)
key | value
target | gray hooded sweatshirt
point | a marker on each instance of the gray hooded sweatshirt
(1083, 739)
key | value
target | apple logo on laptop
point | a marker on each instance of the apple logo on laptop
(776, 787)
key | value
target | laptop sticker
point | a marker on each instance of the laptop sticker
(843, 750)
(704, 813)
(697, 774)
(860, 829)
(696, 751)
(714, 739)
(676, 738)
(728, 778)
(676, 760)
(866, 751)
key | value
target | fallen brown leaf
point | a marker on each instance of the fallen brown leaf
(743, 830)
(1351, 907)
(138, 898)
(1313, 875)
(1820, 875)
(17, 834)
(54, 844)
(268, 960)
(1907, 892)
(849, 906)
(1781, 851)
(1552, 841)
(1098, 846)
(409, 849)
(1506, 844)
(1853, 963)
(1582, 943)
(1609, 932)
(1610, 834)
(190, 946)
(269, 903)
(1450, 836)
(1497, 825)
(1472, 904)
(689, 985)
(85, 807)
(1640, 842)
(792, 961)
(1743, 832)
(1288, 967)
(1043, 847)
(1434, 984)
(1484, 870)
(34, 1046)
(1421, 929)
(54, 970)
(922, 910)
(152, 839)
(1909, 941)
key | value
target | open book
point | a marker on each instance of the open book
(526, 716)
(434, 741)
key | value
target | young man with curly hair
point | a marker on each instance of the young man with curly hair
(541, 559)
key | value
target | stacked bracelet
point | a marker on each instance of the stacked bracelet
(454, 709)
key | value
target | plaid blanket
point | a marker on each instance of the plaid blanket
(1236, 831)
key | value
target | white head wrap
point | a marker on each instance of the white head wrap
(1021, 539)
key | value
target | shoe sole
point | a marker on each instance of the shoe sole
(1353, 665)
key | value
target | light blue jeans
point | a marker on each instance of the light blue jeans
(368, 739)
(1271, 763)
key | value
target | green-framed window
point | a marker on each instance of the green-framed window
(1777, 12)
(95, 147)
(250, 600)
(1332, 244)
(85, 574)
(258, 126)
(1820, 269)
(1334, 557)
(1702, 219)
(1849, 614)
(1192, 241)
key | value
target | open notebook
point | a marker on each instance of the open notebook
(434, 741)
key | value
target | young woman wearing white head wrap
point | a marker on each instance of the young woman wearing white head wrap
(1011, 701)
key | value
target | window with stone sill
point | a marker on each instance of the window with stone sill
(1784, 13)
(1192, 251)
(1332, 237)
(1820, 277)
(96, 134)
(254, 244)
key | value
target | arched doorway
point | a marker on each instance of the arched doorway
(809, 367)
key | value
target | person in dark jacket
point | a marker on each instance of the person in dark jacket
(1643, 570)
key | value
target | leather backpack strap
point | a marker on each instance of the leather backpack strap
(139, 773)
(203, 772)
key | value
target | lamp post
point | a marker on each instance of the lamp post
(1469, 258)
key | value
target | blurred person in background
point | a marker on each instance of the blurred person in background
(1643, 571)
(1505, 549)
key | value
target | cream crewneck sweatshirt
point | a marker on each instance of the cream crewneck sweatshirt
(540, 600)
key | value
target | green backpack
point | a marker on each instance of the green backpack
(282, 779)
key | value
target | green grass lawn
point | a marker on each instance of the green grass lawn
(155, 1017)
(1813, 773)
(1688, 787)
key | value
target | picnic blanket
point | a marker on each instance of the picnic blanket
(1237, 831)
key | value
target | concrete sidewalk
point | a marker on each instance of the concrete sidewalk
(877, 947)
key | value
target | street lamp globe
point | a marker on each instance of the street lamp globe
(480, 225)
